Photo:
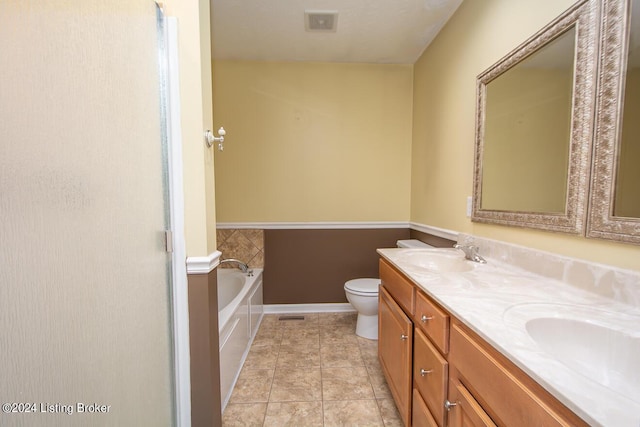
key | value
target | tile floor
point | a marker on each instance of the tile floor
(311, 372)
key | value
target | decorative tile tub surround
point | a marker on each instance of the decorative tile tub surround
(610, 282)
(246, 245)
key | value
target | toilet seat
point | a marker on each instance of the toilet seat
(364, 287)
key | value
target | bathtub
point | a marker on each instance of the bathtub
(240, 312)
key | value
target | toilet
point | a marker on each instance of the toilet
(363, 296)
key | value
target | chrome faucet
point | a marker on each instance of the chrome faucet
(241, 265)
(471, 253)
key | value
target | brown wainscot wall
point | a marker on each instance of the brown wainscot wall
(206, 407)
(438, 242)
(306, 266)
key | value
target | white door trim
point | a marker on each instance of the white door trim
(180, 299)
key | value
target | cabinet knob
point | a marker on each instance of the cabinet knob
(425, 318)
(448, 405)
(403, 337)
(423, 372)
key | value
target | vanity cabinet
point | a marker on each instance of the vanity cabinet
(414, 368)
(507, 394)
(442, 374)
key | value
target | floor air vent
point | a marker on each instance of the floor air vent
(291, 318)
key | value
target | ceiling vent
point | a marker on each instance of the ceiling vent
(321, 20)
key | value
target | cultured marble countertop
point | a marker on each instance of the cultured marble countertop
(495, 300)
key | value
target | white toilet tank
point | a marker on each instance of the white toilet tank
(412, 243)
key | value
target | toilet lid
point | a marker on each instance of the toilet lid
(363, 286)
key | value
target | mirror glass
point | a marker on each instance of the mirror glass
(534, 127)
(527, 130)
(627, 183)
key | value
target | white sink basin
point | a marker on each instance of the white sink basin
(441, 260)
(600, 346)
(602, 354)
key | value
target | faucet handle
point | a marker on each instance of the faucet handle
(471, 252)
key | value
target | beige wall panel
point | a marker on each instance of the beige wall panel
(313, 141)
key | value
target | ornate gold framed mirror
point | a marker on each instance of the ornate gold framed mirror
(534, 127)
(614, 205)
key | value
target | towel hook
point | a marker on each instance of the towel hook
(209, 138)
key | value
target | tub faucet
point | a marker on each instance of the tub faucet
(471, 253)
(241, 265)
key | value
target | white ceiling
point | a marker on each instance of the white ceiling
(371, 31)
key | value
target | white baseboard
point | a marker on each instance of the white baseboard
(308, 308)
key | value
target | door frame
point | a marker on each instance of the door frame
(179, 294)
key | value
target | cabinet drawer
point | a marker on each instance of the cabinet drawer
(400, 288)
(433, 321)
(421, 417)
(430, 372)
(507, 394)
(467, 412)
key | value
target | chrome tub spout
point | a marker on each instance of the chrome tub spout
(241, 265)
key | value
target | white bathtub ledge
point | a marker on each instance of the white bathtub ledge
(203, 264)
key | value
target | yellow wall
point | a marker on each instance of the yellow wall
(312, 142)
(479, 34)
(196, 116)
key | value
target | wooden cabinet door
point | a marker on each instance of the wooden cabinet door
(395, 350)
(467, 412)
